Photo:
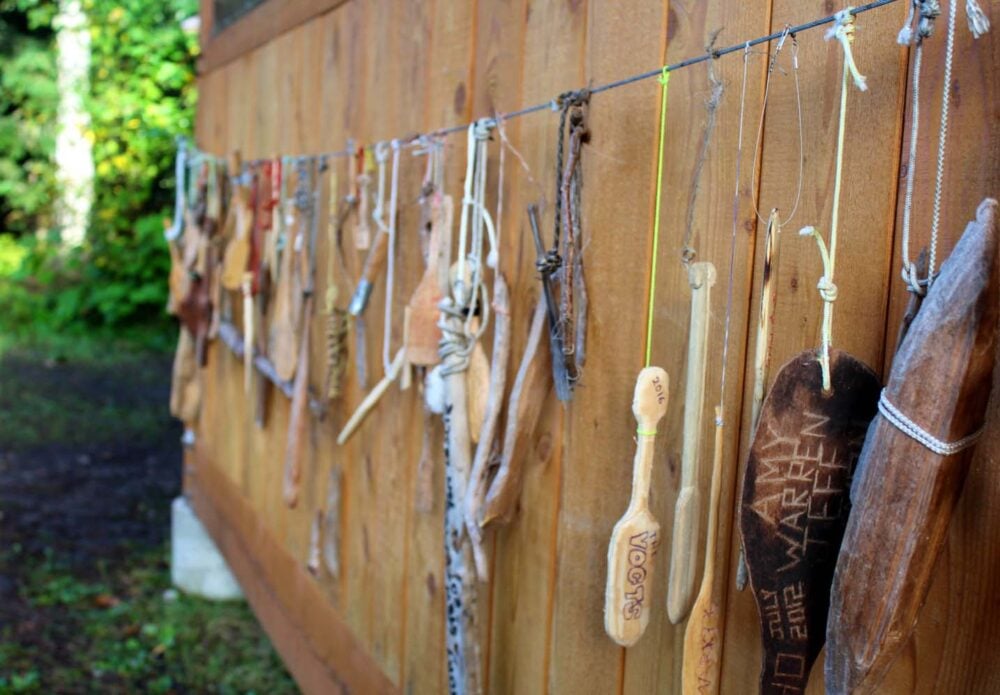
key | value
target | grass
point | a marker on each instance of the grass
(126, 631)
(109, 622)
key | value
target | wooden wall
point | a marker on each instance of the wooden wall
(376, 69)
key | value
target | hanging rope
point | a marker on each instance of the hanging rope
(929, 10)
(843, 31)
(651, 300)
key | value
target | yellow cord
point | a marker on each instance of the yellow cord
(664, 81)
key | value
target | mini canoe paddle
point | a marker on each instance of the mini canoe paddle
(636, 535)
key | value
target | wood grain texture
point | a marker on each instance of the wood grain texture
(377, 69)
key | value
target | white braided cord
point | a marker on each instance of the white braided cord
(900, 421)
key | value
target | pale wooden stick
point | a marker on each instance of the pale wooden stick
(762, 353)
(531, 385)
(687, 513)
(369, 402)
(702, 639)
(636, 535)
(477, 377)
(248, 329)
(298, 424)
(331, 524)
(476, 492)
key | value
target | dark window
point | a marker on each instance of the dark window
(228, 11)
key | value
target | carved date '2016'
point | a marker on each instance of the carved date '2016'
(641, 549)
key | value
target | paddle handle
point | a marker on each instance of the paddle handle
(702, 663)
(649, 405)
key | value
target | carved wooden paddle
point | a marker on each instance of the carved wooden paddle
(702, 642)
(687, 513)
(795, 505)
(905, 491)
(636, 535)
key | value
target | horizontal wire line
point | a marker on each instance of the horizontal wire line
(552, 104)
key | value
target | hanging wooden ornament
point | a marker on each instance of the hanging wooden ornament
(701, 278)
(914, 463)
(284, 328)
(393, 367)
(378, 249)
(795, 497)
(482, 460)
(268, 198)
(305, 270)
(687, 514)
(772, 237)
(422, 333)
(531, 385)
(636, 536)
(239, 221)
(337, 320)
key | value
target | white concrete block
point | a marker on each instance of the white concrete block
(196, 565)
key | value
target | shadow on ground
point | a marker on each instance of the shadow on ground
(89, 462)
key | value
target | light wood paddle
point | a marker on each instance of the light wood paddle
(636, 535)
(687, 513)
(702, 647)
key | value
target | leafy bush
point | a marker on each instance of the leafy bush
(142, 95)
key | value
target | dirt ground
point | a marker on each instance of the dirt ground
(89, 462)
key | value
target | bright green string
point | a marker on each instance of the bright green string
(664, 81)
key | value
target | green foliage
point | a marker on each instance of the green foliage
(129, 632)
(142, 95)
(28, 102)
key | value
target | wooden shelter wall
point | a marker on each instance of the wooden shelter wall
(382, 68)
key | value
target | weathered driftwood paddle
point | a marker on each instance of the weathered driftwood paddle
(702, 640)
(479, 476)
(687, 513)
(914, 463)
(531, 385)
(795, 505)
(636, 535)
